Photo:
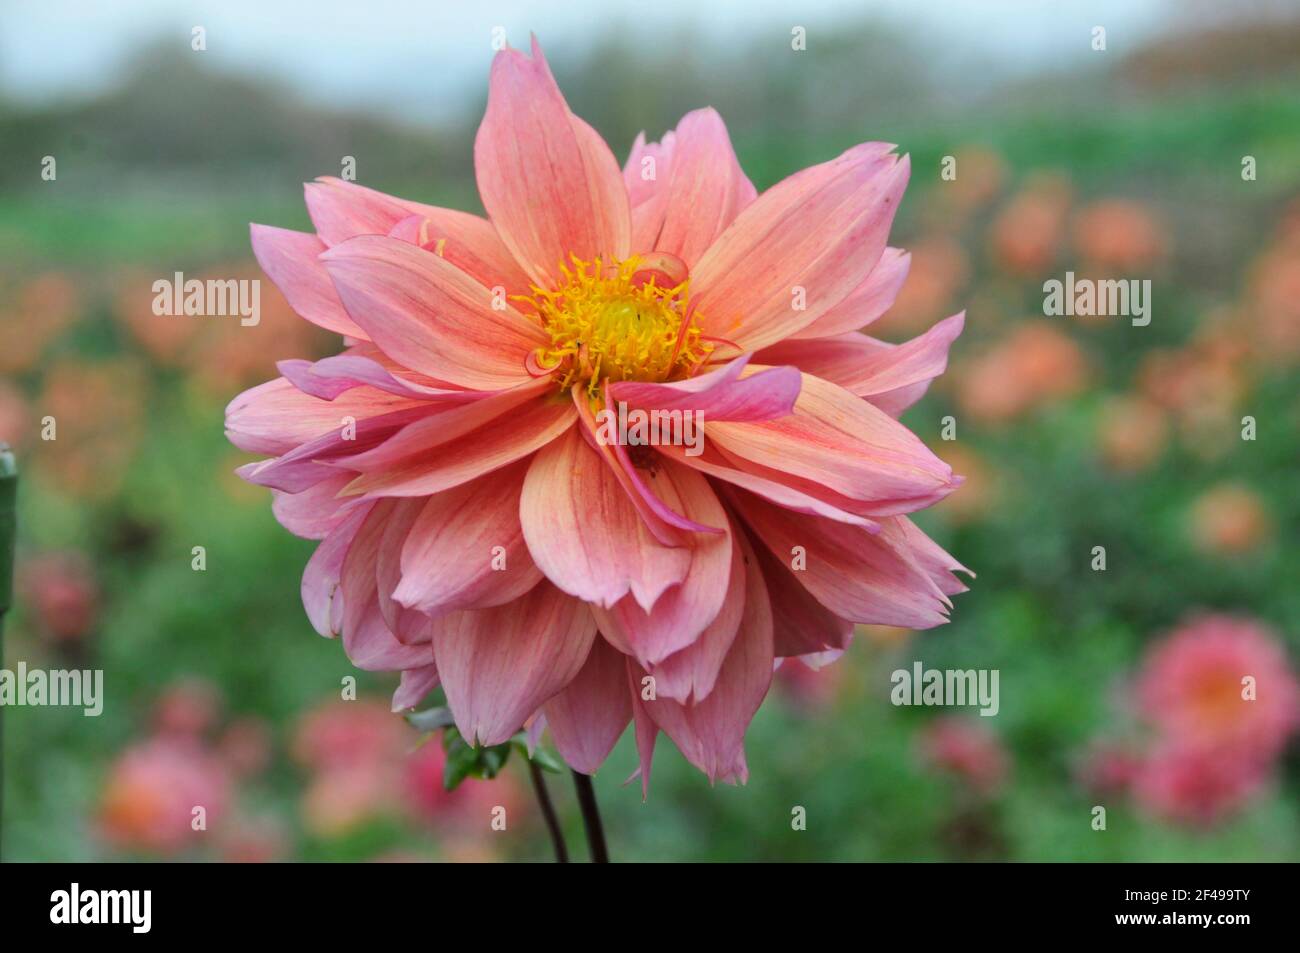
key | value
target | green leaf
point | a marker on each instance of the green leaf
(431, 719)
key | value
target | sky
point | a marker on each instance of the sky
(413, 60)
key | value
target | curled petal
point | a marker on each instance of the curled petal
(588, 716)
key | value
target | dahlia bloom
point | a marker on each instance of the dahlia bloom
(1192, 690)
(475, 529)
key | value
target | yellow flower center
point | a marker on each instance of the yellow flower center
(615, 322)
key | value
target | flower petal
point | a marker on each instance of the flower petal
(588, 717)
(415, 684)
(711, 733)
(291, 260)
(320, 579)
(684, 610)
(868, 301)
(890, 376)
(585, 533)
(500, 665)
(864, 577)
(466, 549)
(549, 183)
(722, 394)
(800, 248)
(840, 442)
(698, 189)
(430, 316)
(504, 440)
(690, 674)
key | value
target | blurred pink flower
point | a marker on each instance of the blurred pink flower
(1193, 688)
(1195, 785)
(149, 798)
(967, 750)
(63, 593)
(189, 707)
(1109, 768)
(475, 528)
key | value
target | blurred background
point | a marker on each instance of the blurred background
(1117, 686)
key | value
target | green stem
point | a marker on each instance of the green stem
(548, 812)
(8, 524)
(591, 818)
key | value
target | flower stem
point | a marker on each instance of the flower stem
(591, 818)
(548, 812)
(8, 524)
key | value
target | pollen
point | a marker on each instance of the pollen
(613, 321)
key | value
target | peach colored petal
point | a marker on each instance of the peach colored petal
(892, 377)
(867, 302)
(430, 316)
(451, 560)
(698, 189)
(868, 578)
(711, 733)
(584, 532)
(500, 665)
(721, 394)
(683, 611)
(800, 248)
(500, 442)
(549, 183)
(588, 716)
(291, 260)
(689, 675)
(840, 442)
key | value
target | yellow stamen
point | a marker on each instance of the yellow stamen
(604, 325)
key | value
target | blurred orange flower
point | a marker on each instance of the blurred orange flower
(1026, 236)
(1120, 234)
(1229, 519)
(1035, 364)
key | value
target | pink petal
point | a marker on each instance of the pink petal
(700, 189)
(415, 684)
(316, 511)
(584, 531)
(822, 230)
(588, 716)
(690, 674)
(291, 260)
(500, 665)
(549, 183)
(444, 424)
(713, 464)
(800, 624)
(932, 557)
(719, 395)
(867, 302)
(341, 210)
(409, 626)
(310, 463)
(645, 729)
(430, 316)
(865, 577)
(450, 558)
(320, 579)
(711, 733)
(683, 612)
(367, 639)
(646, 181)
(476, 250)
(502, 441)
(332, 376)
(885, 374)
(840, 442)
(276, 417)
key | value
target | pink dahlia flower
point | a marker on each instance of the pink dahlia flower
(477, 530)
(1221, 684)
